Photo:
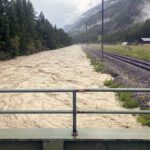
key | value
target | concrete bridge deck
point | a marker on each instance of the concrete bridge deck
(87, 139)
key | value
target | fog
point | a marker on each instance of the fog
(144, 10)
(62, 12)
(145, 14)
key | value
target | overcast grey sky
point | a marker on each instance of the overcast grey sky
(62, 12)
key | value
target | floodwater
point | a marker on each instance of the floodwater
(62, 68)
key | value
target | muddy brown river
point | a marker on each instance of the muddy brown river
(62, 68)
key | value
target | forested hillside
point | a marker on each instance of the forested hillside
(119, 16)
(131, 34)
(23, 33)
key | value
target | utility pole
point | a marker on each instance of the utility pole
(102, 35)
(83, 38)
(86, 35)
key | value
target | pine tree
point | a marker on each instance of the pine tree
(4, 25)
(21, 32)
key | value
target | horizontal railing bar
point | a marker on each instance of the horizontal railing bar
(35, 91)
(35, 112)
(117, 90)
(74, 90)
(113, 112)
(70, 112)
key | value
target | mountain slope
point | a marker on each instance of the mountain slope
(119, 14)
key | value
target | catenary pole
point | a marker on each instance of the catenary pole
(86, 34)
(102, 34)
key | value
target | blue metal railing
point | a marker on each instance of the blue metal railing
(74, 111)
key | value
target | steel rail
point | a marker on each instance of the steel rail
(25, 112)
(115, 112)
(131, 58)
(130, 61)
(3, 91)
(135, 62)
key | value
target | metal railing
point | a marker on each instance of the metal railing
(74, 111)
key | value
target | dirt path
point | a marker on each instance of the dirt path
(63, 68)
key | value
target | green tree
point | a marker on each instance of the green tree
(22, 32)
(4, 25)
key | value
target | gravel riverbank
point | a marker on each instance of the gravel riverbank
(127, 75)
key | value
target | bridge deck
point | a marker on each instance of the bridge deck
(84, 134)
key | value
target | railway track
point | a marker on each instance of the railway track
(136, 62)
(133, 61)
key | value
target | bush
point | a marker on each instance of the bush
(98, 66)
(126, 98)
(38, 45)
(4, 55)
(144, 120)
(30, 48)
(15, 43)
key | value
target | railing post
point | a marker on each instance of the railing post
(75, 133)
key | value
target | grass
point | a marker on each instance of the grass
(144, 120)
(128, 101)
(126, 98)
(138, 51)
(98, 66)
(111, 84)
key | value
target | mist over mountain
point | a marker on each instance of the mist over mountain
(119, 15)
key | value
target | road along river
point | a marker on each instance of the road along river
(62, 68)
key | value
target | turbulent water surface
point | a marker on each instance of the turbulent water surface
(62, 68)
